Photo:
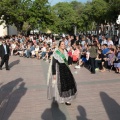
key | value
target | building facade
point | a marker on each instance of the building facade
(7, 30)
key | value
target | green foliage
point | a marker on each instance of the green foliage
(62, 17)
(98, 10)
(17, 12)
(14, 12)
(66, 16)
(113, 10)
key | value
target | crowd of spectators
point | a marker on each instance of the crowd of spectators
(33, 46)
(96, 53)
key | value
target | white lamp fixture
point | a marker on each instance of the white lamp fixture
(118, 20)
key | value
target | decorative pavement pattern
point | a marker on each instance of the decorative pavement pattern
(23, 94)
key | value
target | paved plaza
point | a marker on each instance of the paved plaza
(23, 94)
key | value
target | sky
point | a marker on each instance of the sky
(53, 2)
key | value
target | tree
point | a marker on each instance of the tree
(40, 15)
(18, 12)
(66, 16)
(113, 10)
(14, 12)
(98, 12)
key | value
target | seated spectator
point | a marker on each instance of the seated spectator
(83, 60)
(83, 42)
(111, 58)
(30, 48)
(99, 60)
(87, 40)
(105, 49)
(76, 54)
(15, 51)
(43, 52)
(21, 50)
(34, 52)
(49, 52)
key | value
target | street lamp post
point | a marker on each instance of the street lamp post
(118, 22)
(75, 29)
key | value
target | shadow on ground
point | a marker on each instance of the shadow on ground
(111, 106)
(1, 84)
(53, 113)
(83, 114)
(14, 63)
(10, 95)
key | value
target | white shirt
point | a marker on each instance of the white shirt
(37, 48)
(104, 42)
(5, 49)
(43, 49)
(110, 42)
(13, 46)
(50, 41)
(83, 43)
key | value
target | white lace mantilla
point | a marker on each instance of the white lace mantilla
(59, 58)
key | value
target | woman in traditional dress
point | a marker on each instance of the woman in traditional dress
(61, 83)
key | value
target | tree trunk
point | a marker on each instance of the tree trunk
(97, 30)
(102, 29)
(119, 31)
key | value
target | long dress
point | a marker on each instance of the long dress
(63, 89)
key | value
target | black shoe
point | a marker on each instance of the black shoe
(67, 103)
(7, 69)
(0, 68)
(92, 73)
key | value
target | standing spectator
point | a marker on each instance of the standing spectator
(5, 52)
(78, 42)
(116, 40)
(13, 46)
(117, 62)
(93, 55)
(70, 56)
(72, 40)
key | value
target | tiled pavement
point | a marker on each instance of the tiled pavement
(23, 94)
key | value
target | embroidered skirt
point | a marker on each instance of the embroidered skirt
(63, 89)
